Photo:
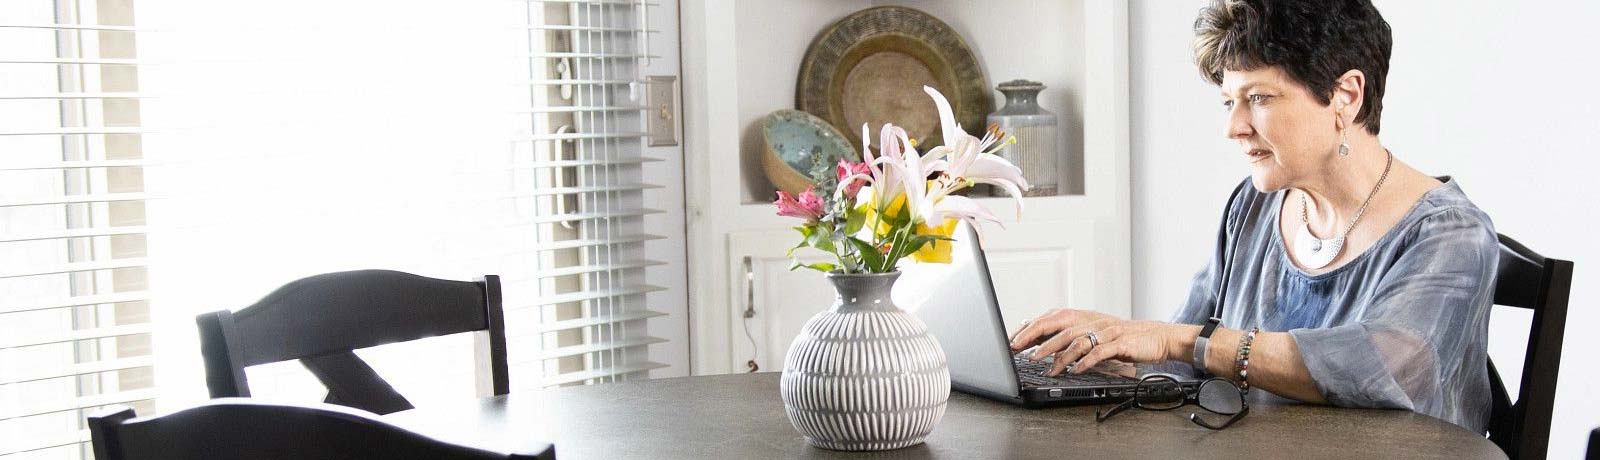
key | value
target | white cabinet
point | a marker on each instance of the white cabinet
(1069, 250)
(1035, 265)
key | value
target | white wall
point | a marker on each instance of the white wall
(773, 37)
(1497, 96)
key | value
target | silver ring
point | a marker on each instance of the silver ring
(1094, 340)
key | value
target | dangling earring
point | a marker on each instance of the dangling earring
(1344, 143)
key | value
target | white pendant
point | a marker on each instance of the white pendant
(1313, 252)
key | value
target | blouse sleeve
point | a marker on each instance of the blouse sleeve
(1420, 338)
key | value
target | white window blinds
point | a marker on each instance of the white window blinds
(586, 143)
(74, 311)
(428, 137)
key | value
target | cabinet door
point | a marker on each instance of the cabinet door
(775, 302)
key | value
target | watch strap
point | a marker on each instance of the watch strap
(1203, 341)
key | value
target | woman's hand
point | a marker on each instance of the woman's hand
(1063, 332)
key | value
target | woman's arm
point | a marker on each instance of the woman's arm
(1420, 337)
(1275, 363)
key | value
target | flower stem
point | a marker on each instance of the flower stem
(896, 248)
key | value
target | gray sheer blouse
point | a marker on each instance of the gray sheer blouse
(1404, 325)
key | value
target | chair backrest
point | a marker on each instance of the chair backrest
(242, 429)
(1528, 280)
(1594, 444)
(321, 320)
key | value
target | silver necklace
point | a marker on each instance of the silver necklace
(1315, 252)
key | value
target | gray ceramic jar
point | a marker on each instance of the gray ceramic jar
(1038, 151)
(865, 375)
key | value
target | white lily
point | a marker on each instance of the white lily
(971, 158)
(922, 213)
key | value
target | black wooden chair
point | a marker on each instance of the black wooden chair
(242, 429)
(321, 319)
(1529, 280)
(1594, 445)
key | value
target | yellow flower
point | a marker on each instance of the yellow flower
(896, 206)
(935, 251)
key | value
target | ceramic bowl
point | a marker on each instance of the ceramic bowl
(794, 143)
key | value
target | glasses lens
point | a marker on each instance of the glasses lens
(1160, 393)
(1221, 396)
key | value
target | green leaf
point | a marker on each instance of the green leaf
(899, 220)
(819, 266)
(919, 240)
(821, 237)
(795, 263)
(869, 255)
(805, 234)
(913, 245)
(823, 267)
(852, 263)
(854, 220)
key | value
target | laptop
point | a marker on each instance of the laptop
(957, 301)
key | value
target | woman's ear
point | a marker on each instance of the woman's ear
(1347, 96)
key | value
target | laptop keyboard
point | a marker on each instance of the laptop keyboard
(1031, 374)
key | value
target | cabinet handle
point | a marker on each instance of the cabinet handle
(750, 312)
(749, 288)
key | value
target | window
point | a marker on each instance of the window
(75, 317)
(266, 145)
(587, 131)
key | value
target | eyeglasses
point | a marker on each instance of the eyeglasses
(1161, 392)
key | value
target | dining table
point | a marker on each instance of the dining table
(742, 416)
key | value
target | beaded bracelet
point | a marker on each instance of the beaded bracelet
(1241, 361)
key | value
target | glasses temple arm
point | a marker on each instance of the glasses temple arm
(1193, 417)
(1101, 417)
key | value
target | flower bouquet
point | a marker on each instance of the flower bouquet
(864, 374)
(900, 203)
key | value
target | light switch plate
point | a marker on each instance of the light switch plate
(661, 120)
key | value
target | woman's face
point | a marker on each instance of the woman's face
(1284, 133)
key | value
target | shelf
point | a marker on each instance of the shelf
(1047, 45)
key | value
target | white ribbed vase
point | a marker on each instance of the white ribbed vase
(865, 375)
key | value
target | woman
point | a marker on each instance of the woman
(1370, 282)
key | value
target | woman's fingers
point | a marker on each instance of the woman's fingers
(1029, 334)
(1075, 347)
(1054, 344)
(1074, 353)
(1062, 362)
(1097, 354)
(1038, 328)
(1053, 322)
(1064, 339)
(1013, 336)
(1131, 341)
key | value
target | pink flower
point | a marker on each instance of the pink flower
(852, 176)
(808, 206)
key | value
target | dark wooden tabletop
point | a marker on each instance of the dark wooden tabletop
(741, 416)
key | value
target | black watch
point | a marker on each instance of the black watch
(1203, 340)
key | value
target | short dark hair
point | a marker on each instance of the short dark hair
(1313, 41)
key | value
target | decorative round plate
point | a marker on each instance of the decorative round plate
(796, 144)
(870, 67)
